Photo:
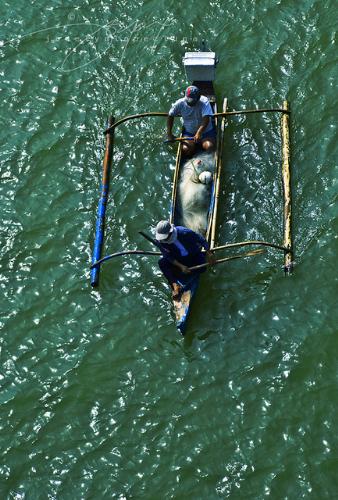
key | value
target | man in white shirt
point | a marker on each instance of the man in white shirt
(196, 112)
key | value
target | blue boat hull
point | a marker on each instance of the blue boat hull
(182, 306)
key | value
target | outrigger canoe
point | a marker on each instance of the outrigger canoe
(200, 70)
(183, 305)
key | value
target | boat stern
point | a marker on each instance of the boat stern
(200, 66)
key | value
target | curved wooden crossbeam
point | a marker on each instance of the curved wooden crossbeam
(121, 254)
(250, 111)
(133, 117)
(252, 242)
(223, 247)
(227, 113)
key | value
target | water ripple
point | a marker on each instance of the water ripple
(100, 396)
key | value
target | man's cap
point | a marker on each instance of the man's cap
(192, 94)
(163, 230)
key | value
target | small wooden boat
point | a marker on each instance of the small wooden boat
(183, 305)
(200, 69)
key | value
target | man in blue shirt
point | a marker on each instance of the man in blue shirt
(196, 112)
(181, 248)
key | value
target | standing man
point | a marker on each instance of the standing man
(196, 112)
(181, 248)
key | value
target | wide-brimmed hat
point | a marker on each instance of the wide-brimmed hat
(192, 94)
(164, 230)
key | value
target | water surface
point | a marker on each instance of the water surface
(100, 396)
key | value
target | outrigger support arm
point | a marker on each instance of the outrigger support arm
(121, 254)
(200, 266)
(250, 111)
(132, 117)
(215, 249)
(227, 113)
(252, 242)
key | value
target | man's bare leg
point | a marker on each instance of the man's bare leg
(188, 148)
(208, 145)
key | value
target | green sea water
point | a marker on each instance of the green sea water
(100, 397)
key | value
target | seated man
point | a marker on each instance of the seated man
(181, 248)
(195, 110)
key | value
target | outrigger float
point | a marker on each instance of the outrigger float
(200, 70)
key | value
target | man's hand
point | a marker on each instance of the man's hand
(211, 259)
(185, 269)
(197, 136)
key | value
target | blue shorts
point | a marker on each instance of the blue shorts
(211, 134)
(174, 274)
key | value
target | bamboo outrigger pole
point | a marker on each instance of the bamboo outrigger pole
(101, 210)
(286, 178)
